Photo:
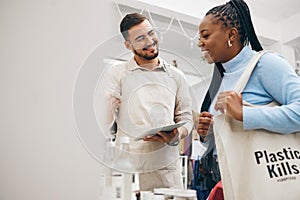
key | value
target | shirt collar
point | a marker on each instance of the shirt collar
(132, 65)
(240, 60)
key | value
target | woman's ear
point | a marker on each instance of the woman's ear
(128, 45)
(233, 34)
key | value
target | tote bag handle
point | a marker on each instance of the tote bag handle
(242, 82)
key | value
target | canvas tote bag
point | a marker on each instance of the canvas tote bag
(256, 164)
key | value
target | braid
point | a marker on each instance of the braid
(235, 13)
(244, 14)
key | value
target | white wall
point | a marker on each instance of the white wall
(198, 10)
(290, 28)
(42, 46)
(281, 31)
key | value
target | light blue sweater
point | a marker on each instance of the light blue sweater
(272, 79)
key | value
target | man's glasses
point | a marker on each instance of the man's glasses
(142, 39)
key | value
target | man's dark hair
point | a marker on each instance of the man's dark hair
(129, 21)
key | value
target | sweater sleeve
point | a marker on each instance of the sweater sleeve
(273, 80)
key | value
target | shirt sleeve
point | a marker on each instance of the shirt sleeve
(110, 86)
(273, 80)
(183, 107)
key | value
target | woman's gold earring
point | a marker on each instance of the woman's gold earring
(229, 43)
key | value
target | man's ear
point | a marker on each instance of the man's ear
(128, 45)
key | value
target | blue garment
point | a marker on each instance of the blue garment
(272, 79)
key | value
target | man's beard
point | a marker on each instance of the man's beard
(147, 57)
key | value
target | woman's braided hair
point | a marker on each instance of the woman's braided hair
(236, 13)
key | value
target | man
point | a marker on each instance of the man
(146, 93)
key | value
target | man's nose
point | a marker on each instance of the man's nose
(149, 40)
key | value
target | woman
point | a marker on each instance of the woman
(225, 34)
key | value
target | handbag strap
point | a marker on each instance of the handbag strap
(242, 82)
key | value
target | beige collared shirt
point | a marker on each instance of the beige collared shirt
(150, 98)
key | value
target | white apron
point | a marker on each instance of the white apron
(148, 101)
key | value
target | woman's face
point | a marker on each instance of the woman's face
(213, 40)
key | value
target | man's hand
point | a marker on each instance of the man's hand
(164, 137)
(113, 104)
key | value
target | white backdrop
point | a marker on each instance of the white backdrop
(42, 45)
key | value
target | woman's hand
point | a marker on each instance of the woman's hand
(203, 123)
(231, 103)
